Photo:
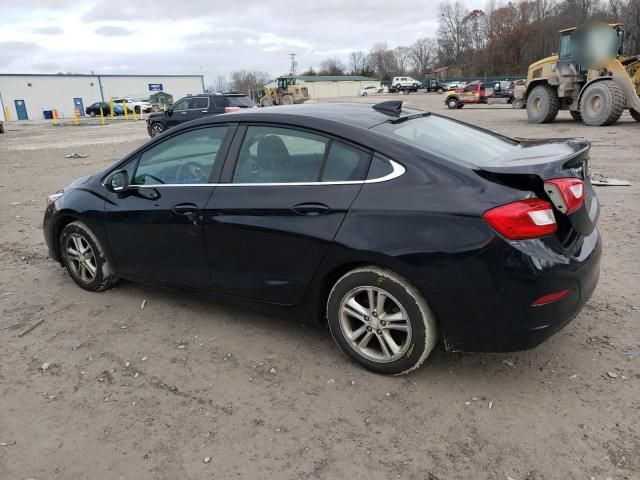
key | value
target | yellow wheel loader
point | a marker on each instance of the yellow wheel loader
(589, 76)
(286, 91)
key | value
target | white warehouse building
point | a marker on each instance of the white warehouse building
(28, 96)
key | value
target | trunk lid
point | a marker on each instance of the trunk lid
(533, 162)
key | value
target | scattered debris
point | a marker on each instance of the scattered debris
(45, 366)
(7, 444)
(602, 181)
(573, 377)
(76, 155)
(14, 325)
(490, 404)
(612, 374)
(144, 302)
(509, 363)
(331, 380)
(630, 355)
(206, 459)
(143, 358)
(352, 382)
(273, 370)
(31, 327)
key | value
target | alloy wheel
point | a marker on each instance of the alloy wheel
(375, 324)
(81, 258)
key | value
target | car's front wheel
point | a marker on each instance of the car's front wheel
(453, 103)
(381, 321)
(156, 129)
(84, 258)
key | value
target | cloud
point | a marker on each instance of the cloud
(48, 30)
(113, 31)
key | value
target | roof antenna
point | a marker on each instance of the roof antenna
(390, 107)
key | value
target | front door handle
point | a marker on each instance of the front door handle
(185, 208)
(311, 209)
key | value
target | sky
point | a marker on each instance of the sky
(208, 37)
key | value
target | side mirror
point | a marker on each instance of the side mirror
(117, 181)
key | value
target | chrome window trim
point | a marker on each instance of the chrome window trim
(398, 170)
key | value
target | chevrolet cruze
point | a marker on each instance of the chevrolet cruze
(399, 228)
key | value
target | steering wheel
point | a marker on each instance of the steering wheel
(190, 172)
(145, 175)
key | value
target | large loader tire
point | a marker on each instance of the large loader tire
(543, 104)
(602, 103)
(266, 101)
(286, 100)
(635, 114)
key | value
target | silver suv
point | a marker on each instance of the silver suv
(404, 85)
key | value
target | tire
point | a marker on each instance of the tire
(602, 103)
(1, 127)
(156, 129)
(137, 110)
(266, 101)
(440, 91)
(634, 113)
(543, 104)
(92, 113)
(406, 91)
(517, 103)
(286, 100)
(364, 94)
(452, 103)
(576, 115)
(410, 347)
(88, 266)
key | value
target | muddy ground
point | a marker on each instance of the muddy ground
(133, 393)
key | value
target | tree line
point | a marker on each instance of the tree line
(498, 40)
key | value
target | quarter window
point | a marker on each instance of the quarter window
(185, 158)
(279, 155)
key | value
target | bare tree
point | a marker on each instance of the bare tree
(244, 81)
(331, 66)
(402, 57)
(452, 33)
(423, 55)
(357, 61)
(382, 60)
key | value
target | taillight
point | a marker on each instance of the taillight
(567, 194)
(231, 109)
(524, 219)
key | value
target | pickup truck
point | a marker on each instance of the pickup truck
(477, 93)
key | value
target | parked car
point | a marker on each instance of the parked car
(282, 207)
(139, 106)
(455, 85)
(194, 107)
(1, 127)
(404, 85)
(369, 90)
(94, 109)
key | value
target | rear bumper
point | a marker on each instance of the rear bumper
(490, 309)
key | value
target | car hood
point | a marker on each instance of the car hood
(156, 115)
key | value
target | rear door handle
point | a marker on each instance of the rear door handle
(311, 209)
(185, 208)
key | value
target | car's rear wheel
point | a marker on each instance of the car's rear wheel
(84, 258)
(364, 94)
(92, 113)
(381, 321)
(156, 129)
(440, 91)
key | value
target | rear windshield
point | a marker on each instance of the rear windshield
(449, 139)
(236, 101)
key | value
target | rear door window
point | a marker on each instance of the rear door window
(199, 103)
(279, 155)
(345, 163)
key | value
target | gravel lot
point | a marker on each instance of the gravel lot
(152, 393)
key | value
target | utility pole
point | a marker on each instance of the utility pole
(294, 64)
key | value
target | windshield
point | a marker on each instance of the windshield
(449, 139)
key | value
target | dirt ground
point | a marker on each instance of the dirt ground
(132, 393)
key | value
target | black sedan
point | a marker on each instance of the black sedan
(397, 227)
